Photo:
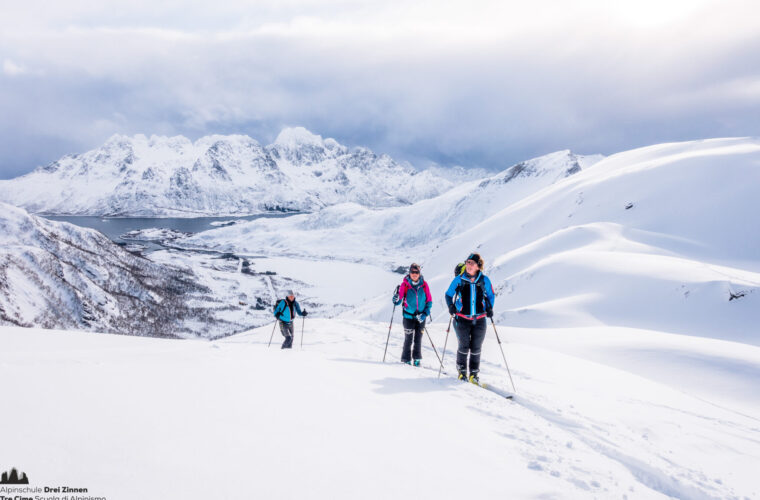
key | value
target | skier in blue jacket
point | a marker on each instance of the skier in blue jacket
(415, 294)
(285, 311)
(470, 298)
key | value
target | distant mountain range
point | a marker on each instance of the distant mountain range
(218, 176)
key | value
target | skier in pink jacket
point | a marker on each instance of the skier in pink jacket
(415, 295)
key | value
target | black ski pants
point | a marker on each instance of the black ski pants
(412, 334)
(470, 335)
(286, 329)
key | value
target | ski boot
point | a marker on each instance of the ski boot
(417, 362)
(474, 379)
(462, 375)
(406, 361)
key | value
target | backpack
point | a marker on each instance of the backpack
(459, 269)
(276, 305)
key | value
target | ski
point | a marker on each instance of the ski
(495, 390)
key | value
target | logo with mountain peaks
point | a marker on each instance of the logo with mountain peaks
(12, 477)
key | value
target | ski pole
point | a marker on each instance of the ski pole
(389, 332)
(445, 342)
(488, 302)
(302, 325)
(434, 349)
(272, 336)
(503, 356)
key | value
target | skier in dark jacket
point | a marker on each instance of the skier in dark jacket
(415, 294)
(470, 299)
(285, 311)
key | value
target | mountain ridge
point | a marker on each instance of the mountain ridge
(218, 175)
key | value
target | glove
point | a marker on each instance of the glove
(395, 294)
(421, 318)
(489, 312)
(305, 313)
(452, 309)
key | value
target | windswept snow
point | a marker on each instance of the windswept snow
(572, 254)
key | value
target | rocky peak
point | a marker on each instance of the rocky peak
(300, 147)
(558, 164)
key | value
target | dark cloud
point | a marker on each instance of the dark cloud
(458, 97)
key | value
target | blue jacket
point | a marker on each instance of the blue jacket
(416, 298)
(283, 312)
(473, 295)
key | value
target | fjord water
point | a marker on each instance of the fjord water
(115, 227)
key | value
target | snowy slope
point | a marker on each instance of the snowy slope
(57, 275)
(331, 421)
(354, 233)
(656, 238)
(217, 175)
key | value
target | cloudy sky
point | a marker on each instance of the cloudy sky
(472, 83)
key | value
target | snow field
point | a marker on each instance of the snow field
(135, 417)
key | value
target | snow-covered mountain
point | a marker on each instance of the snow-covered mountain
(652, 238)
(354, 233)
(57, 275)
(218, 175)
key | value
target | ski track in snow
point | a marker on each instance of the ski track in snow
(649, 467)
(592, 434)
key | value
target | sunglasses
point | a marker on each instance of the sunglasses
(414, 272)
(470, 262)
